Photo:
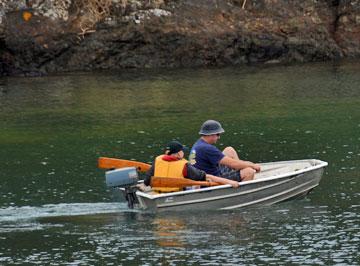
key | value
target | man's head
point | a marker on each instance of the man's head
(175, 148)
(210, 131)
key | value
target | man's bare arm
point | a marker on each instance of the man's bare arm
(239, 164)
(222, 181)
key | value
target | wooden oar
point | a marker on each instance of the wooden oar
(110, 163)
(178, 182)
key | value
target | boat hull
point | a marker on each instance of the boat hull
(266, 190)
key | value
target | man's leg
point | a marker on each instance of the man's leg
(231, 152)
(247, 174)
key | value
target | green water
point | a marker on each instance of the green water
(55, 208)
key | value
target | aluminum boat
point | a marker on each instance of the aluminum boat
(277, 181)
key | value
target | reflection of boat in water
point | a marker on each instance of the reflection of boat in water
(167, 231)
(278, 181)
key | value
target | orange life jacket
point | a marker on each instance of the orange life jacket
(168, 169)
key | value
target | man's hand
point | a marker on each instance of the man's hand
(233, 183)
(256, 167)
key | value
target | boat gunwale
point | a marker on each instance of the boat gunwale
(320, 164)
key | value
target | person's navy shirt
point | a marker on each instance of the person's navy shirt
(206, 157)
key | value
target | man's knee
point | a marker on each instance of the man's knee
(230, 152)
(247, 174)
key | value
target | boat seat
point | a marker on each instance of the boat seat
(271, 170)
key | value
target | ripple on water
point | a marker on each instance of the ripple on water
(281, 235)
(24, 213)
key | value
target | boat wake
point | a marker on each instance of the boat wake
(26, 213)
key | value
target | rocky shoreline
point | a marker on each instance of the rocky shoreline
(41, 37)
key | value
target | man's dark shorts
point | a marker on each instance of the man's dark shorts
(229, 173)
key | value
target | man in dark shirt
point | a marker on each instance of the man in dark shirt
(206, 157)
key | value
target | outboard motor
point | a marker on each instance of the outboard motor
(125, 178)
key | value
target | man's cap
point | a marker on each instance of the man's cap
(174, 147)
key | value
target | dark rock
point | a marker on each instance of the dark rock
(184, 34)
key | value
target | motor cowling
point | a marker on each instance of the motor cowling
(123, 177)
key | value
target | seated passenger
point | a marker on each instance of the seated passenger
(205, 156)
(173, 164)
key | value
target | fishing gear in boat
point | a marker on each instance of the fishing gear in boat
(126, 178)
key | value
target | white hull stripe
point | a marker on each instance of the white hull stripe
(273, 196)
(222, 196)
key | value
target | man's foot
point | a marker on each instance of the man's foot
(143, 188)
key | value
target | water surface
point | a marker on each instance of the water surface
(55, 208)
